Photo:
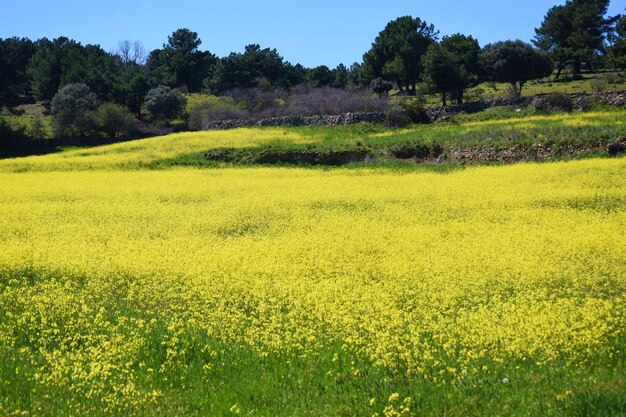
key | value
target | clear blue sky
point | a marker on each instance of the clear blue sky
(312, 33)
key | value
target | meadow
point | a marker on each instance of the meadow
(131, 286)
(563, 132)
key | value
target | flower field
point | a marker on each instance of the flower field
(289, 291)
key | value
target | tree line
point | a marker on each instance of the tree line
(406, 52)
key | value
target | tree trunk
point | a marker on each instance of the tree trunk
(516, 92)
(443, 98)
(519, 90)
(576, 68)
(459, 97)
(399, 82)
(559, 69)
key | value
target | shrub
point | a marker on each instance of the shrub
(9, 134)
(598, 85)
(309, 102)
(414, 109)
(37, 128)
(165, 104)
(560, 101)
(396, 117)
(381, 87)
(70, 110)
(114, 120)
(215, 108)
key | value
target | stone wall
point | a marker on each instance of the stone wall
(285, 121)
(579, 102)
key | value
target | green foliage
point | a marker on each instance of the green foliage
(135, 86)
(381, 87)
(452, 65)
(397, 51)
(180, 63)
(14, 56)
(114, 120)
(514, 62)
(320, 76)
(165, 103)
(64, 61)
(413, 108)
(617, 51)
(245, 70)
(70, 110)
(574, 33)
(212, 108)
(10, 134)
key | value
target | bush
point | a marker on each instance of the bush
(396, 117)
(553, 102)
(560, 101)
(381, 87)
(215, 108)
(37, 129)
(114, 120)
(165, 104)
(414, 109)
(70, 110)
(9, 134)
(309, 102)
(598, 85)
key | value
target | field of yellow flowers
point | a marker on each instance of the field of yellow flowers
(292, 291)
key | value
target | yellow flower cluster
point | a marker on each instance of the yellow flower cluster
(427, 274)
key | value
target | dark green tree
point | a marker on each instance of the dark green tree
(180, 63)
(135, 86)
(514, 62)
(340, 76)
(70, 109)
(359, 77)
(397, 50)
(45, 68)
(617, 51)
(64, 61)
(249, 69)
(294, 75)
(165, 103)
(320, 76)
(14, 56)
(451, 66)
(574, 33)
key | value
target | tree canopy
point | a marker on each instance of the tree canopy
(451, 66)
(397, 50)
(574, 33)
(514, 62)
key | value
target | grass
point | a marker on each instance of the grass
(557, 131)
(566, 85)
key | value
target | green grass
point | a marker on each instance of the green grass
(494, 127)
(209, 377)
(566, 85)
(24, 117)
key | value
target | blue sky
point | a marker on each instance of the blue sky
(312, 33)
